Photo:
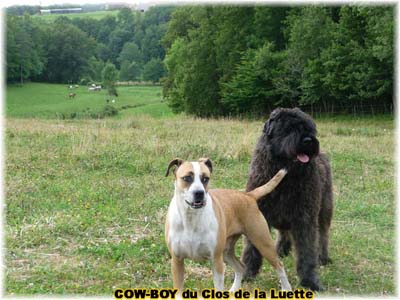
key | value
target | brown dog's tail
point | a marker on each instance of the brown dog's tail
(267, 188)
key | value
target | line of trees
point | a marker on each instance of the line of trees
(220, 60)
(224, 60)
(78, 49)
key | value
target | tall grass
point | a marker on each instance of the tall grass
(86, 201)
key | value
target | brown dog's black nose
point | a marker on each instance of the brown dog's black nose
(198, 196)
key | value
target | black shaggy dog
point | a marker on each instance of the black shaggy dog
(301, 206)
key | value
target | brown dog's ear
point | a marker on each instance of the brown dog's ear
(174, 163)
(207, 162)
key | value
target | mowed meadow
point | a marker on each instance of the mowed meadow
(52, 101)
(86, 198)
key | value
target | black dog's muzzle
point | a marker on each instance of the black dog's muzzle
(308, 148)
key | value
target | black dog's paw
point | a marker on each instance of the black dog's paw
(312, 284)
(324, 260)
(249, 276)
(283, 248)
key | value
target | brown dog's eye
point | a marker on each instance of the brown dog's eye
(205, 180)
(187, 179)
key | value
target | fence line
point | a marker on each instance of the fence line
(356, 110)
(137, 83)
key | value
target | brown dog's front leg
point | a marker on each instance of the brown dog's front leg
(218, 272)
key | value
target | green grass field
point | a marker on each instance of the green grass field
(86, 198)
(40, 100)
(95, 15)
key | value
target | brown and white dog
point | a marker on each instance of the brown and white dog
(205, 224)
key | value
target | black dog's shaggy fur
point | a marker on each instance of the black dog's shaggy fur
(301, 206)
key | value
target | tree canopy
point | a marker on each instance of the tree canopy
(224, 60)
(71, 49)
(219, 60)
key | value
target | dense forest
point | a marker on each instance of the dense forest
(76, 50)
(239, 60)
(221, 60)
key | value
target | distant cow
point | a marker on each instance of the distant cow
(71, 95)
(94, 88)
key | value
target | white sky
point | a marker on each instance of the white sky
(5, 3)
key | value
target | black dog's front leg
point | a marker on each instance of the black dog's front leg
(283, 244)
(251, 258)
(305, 239)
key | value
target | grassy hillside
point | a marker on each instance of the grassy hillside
(86, 199)
(94, 15)
(43, 100)
(86, 202)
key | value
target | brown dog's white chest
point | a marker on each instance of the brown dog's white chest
(193, 234)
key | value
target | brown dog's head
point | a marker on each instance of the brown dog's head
(191, 180)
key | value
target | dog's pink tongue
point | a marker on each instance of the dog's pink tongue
(303, 158)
